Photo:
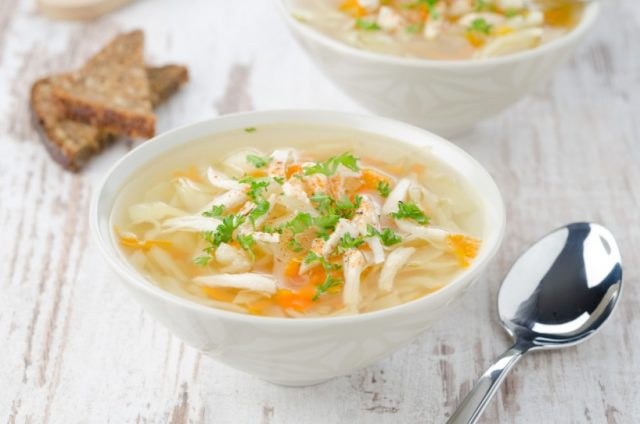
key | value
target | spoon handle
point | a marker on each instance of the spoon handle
(478, 398)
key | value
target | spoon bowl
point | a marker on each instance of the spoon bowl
(563, 288)
(557, 294)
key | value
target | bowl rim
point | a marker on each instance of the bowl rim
(590, 14)
(172, 139)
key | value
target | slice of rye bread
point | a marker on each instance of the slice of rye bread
(72, 143)
(111, 90)
(166, 80)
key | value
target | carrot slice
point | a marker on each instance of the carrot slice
(464, 248)
(474, 39)
(299, 300)
(372, 178)
(220, 294)
(293, 169)
(258, 173)
(353, 8)
(292, 269)
(144, 245)
(191, 173)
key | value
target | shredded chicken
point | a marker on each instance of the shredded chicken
(344, 226)
(231, 199)
(153, 212)
(278, 165)
(395, 261)
(398, 194)
(249, 281)
(353, 263)
(221, 181)
(190, 223)
(232, 259)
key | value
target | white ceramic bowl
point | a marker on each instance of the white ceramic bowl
(295, 351)
(447, 97)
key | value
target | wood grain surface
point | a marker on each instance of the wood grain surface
(74, 348)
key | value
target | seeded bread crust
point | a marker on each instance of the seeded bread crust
(111, 90)
(72, 143)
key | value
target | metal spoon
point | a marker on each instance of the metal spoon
(557, 294)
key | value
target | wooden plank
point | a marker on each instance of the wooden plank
(76, 348)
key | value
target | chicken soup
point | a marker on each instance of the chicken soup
(298, 221)
(438, 29)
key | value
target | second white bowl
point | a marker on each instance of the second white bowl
(447, 97)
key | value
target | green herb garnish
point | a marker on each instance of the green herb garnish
(481, 5)
(314, 257)
(413, 28)
(388, 237)
(262, 207)
(407, 210)
(349, 242)
(326, 222)
(224, 232)
(258, 161)
(328, 284)
(250, 129)
(480, 25)
(384, 189)
(256, 186)
(247, 242)
(215, 212)
(202, 260)
(367, 25)
(297, 225)
(330, 166)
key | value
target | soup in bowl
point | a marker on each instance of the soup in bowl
(480, 62)
(298, 246)
(439, 29)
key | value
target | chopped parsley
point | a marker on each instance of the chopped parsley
(327, 286)
(388, 237)
(481, 5)
(297, 225)
(202, 260)
(349, 242)
(367, 25)
(262, 207)
(256, 186)
(480, 25)
(413, 28)
(272, 229)
(343, 207)
(215, 212)
(326, 222)
(314, 257)
(224, 232)
(258, 161)
(247, 242)
(346, 206)
(429, 4)
(330, 166)
(324, 203)
(250, 129)
(384, 189)
(408, 210)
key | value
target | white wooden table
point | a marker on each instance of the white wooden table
(75, 348)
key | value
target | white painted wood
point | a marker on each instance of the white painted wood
(75, 348)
